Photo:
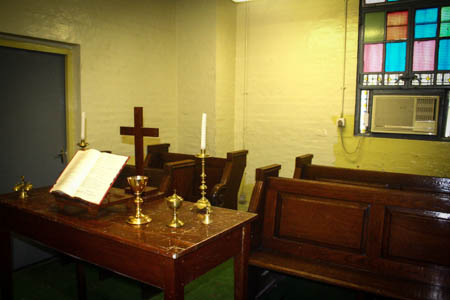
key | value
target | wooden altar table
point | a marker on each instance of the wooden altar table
(153, 253)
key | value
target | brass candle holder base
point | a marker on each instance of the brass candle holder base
(138, 184)
(142, 219)
(82, 144)
(203, 202)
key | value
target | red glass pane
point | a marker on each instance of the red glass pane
(397, 18)
(397, 25)
(423, 59)
(373, 57)
(397, 33)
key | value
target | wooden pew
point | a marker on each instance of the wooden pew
(387, 242)
(177, 176)
(305, 169)
(223, 175)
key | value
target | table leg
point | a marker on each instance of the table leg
(241, 266)
(81, 281)
(173, 288)
(6, 268)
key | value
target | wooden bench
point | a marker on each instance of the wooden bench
(177, 176)
(387, 242)
(305, 169)
(223, 175)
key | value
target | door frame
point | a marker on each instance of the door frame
(72, 100)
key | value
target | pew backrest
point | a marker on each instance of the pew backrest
(304, 169)
(384, 232)
(223, 175)
(177, 176)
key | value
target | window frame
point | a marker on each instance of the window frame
(408, 89)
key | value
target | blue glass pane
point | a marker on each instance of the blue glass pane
(444, 55)
(425, 31)
(428, 15)
(395, 57)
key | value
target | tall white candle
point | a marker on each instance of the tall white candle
(203, 139)
(83, 125)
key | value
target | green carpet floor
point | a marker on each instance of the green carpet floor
(55, 279)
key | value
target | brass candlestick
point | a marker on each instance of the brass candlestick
(174, 202)
(82, 144)
(23, 187)
(203, 201)
(138, 184)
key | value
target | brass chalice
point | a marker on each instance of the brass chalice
(174, 202)
(138, 184)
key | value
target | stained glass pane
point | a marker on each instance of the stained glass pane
(426, 23)
(423, 79)
(397, 18)
(425, 31)
(426, 16)
(445, 22)
(397, 33)
(445, 29)
(447, 126)
(445, 14)
(373, 57)
(364, 116)
(374, 27)
(443, 79)
(397, 25)
(423, 59)
(373, 79)
(393, 79)
(395, 57)
(444, 55)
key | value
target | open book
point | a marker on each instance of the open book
(89, 175)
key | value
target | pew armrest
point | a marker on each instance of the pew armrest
(218, 194)
(301, 162)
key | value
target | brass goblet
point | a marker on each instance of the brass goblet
(138, 184)
(174, 202)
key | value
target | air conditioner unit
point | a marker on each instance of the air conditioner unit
(407, 114)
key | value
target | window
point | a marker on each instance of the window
(403, 80)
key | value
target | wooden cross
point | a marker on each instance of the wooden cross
(139, 132)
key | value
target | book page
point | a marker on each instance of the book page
(101, 177)
(76, 171)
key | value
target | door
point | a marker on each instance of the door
(32, 125)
